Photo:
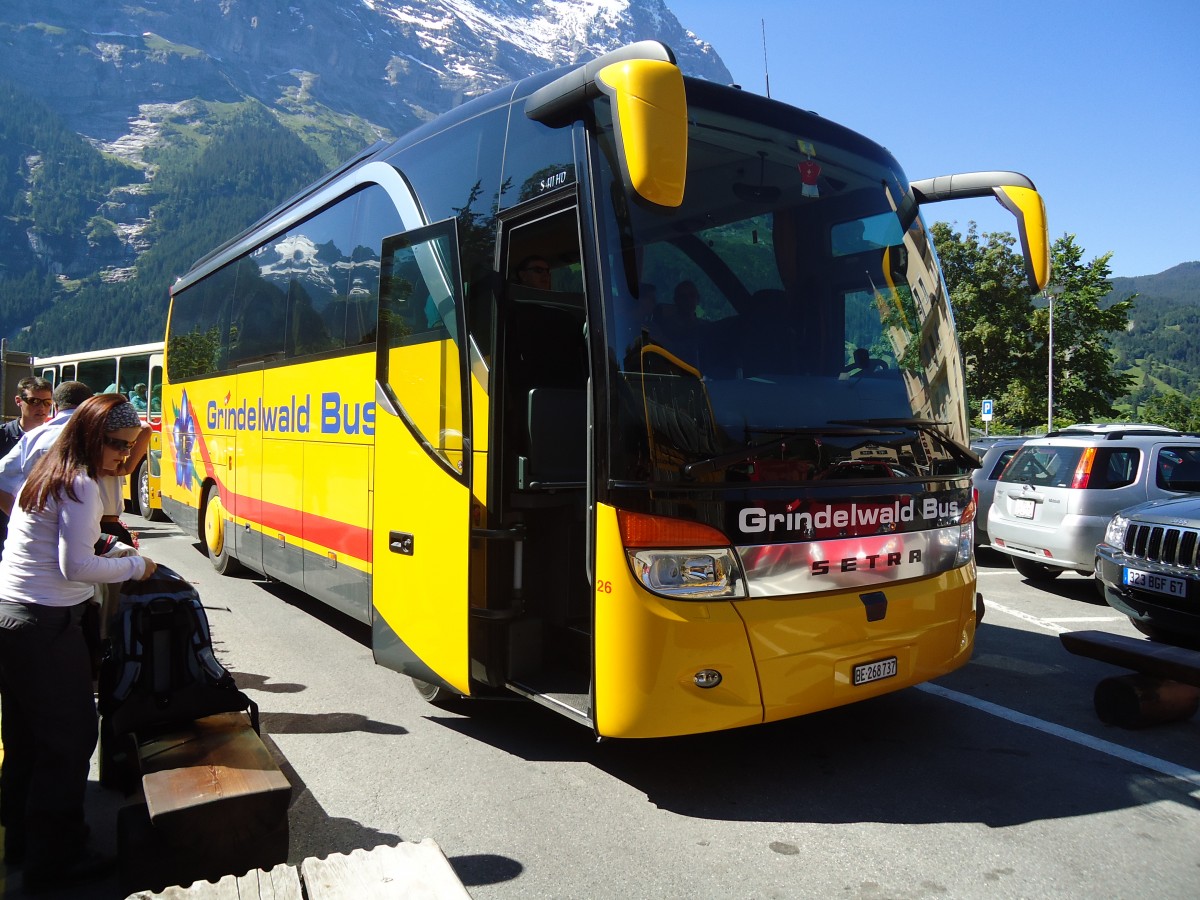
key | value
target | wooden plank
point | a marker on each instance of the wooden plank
(1148, 657)
(413, 871)
(280, 883)
(212, 777)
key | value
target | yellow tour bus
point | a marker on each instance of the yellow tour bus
(632, 394)
(136, 372)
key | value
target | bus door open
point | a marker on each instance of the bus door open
(421, 499)
(540, 463)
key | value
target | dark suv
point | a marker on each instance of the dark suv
(1148, 566)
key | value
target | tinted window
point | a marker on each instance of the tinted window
(312, 264)
(259, 312)
(1043, 466)
(100, 375)
(1114, 467)
(418, 306)
(377, 218)
(199, 324)
(1178, 469)
(1001, 462)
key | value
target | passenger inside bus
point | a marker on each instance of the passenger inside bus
(534, 272)
(863, 363)
(138, 397)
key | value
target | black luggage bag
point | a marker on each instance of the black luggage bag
(159, 670)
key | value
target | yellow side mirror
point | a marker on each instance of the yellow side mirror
(1017, 194)
(1026, 204)
(650, 117)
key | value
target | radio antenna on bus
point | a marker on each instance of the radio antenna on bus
(766, 72)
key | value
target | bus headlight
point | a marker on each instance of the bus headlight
(690, 574)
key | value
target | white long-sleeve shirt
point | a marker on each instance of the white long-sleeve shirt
(49, 557)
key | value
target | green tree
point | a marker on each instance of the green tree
(1004, 330)
(1173, 410)
(992, 309)
(1086, 382)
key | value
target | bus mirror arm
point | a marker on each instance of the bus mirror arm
(1014, 192)
(559, 101)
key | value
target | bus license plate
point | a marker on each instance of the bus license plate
(1160, 584)
(875, 671)
(1022, 508)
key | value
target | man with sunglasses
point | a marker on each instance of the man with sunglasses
(35, 400)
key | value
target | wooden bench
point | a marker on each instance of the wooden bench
(416, 871)
(1166, 687)
(212, 802)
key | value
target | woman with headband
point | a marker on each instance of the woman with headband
(47, 575)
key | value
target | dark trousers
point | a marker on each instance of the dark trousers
(49, 728)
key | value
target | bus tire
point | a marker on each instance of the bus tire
(213, 533)
(435, 694)
(142, 501)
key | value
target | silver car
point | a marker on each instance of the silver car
(1058, 493)
(994, 454)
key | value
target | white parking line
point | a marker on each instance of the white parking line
(1189, 776)
(1086, 619)
(1048, 625)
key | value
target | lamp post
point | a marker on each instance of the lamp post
(1050, 370)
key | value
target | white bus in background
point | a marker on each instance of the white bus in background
(122, 370)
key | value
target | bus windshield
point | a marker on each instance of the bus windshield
(787, 322)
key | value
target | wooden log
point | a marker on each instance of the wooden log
(1160, 660)
(212, 803)
(413, 871)
(1136, 701)
(215, 779)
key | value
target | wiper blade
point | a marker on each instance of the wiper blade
(733, 457)
(960, 452)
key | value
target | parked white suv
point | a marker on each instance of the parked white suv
(1057, 495)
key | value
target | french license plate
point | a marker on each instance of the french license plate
(1022, 508)
(1160, 584)
(875, 671)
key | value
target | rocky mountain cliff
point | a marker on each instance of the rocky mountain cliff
(107, 66)
(145, 82)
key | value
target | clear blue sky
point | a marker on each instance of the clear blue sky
(1098, 102)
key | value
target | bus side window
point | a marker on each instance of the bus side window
(258, 331)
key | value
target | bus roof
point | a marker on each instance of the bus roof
(131, 350)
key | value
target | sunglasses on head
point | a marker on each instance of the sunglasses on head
(119, 445)
(37, 401)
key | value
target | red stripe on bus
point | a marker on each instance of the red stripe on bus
(341, 537)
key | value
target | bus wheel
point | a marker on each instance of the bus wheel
(144, 509)
(435, 694)
(215, 534)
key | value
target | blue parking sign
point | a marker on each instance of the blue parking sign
(985, 410)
